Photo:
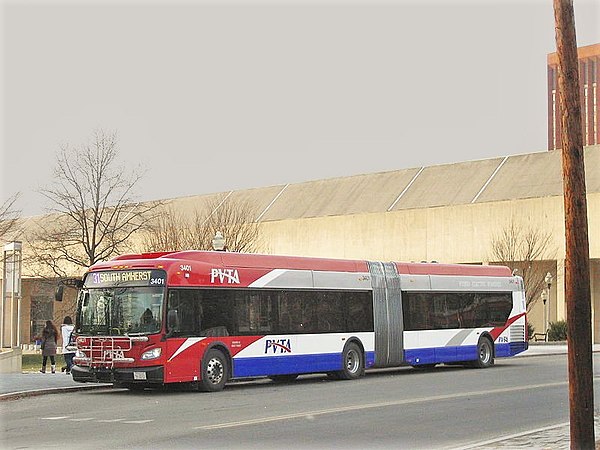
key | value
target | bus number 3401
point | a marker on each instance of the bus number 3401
(157, 281)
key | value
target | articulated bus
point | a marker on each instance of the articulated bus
(205, 318)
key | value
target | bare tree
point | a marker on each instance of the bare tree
(9, 217)
(95, 214)
(235, 219)
(528, 250)
(168, 231)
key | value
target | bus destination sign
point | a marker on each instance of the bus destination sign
(110, 278)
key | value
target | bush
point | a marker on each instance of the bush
(530, 331)
(557, 331)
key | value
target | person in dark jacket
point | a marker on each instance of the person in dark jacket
(49, 339)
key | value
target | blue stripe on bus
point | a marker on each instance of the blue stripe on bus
(436, 355)
(281, 365)
(315, 363)
(512, 349)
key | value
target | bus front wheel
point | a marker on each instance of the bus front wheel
(485, 353)
(215, 369)
(353, 363)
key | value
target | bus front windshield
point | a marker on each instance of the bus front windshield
(118, 311)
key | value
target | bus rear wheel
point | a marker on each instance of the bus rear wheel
(215, 370)
(485, 354)
(353, 363)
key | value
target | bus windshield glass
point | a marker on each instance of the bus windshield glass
(119, 303)
(121, 311)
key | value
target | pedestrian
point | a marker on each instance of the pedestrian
(66, 329)
(49, 338)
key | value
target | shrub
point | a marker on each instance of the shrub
(557, 331)
(530, 330)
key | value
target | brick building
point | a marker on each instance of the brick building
(589, 62)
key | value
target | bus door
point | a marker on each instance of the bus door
(387, 312)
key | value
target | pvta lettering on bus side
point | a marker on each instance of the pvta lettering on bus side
(278, 346)
(230, 275)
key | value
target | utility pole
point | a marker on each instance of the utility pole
(577, 260)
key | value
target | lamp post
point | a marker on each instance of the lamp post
(544, 296)
(218, 242)
(548, 280)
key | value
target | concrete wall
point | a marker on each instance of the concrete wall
(11, 361)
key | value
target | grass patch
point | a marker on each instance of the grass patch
(32, 361)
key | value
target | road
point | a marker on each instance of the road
(400, 408)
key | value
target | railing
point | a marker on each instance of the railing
(105, 351)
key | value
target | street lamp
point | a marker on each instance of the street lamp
(218, 242)
(548, 280)
(544, 296)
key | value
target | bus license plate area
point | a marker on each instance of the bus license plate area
(139, 375)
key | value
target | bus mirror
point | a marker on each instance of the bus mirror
(172, 321)
(58, 293)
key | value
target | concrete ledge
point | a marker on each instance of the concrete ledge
(11, 361)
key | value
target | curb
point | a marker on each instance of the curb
(34, 393)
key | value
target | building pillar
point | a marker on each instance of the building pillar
(595, 291)
(558, 303)
(10, 307)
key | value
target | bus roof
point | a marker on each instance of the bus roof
(251, 260)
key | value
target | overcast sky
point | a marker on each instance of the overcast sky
(218, 96)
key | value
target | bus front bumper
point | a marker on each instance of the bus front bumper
(142, 375)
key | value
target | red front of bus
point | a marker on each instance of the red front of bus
(120, 327)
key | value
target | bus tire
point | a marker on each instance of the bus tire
(353, 363)
(214, 370)
(485, 353)
(288, 378)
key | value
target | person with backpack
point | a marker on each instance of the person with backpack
(68, 351)
(49, 339)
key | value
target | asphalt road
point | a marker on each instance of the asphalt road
(401, 408)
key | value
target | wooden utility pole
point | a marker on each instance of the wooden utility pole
(577, 259)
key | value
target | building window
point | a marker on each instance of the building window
(42, 309)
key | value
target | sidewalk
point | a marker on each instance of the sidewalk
(556, 437)
(13, 386)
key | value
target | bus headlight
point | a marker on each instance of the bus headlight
(151, 354)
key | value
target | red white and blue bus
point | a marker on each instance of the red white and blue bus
(208, 317)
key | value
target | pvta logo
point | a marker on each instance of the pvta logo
(231, 275)
(278, 346)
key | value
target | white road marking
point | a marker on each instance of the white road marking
(87, 419)
(343, 409)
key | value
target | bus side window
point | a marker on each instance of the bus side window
(173, 313)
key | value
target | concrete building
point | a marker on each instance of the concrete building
(447, 213)
(589, 91)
